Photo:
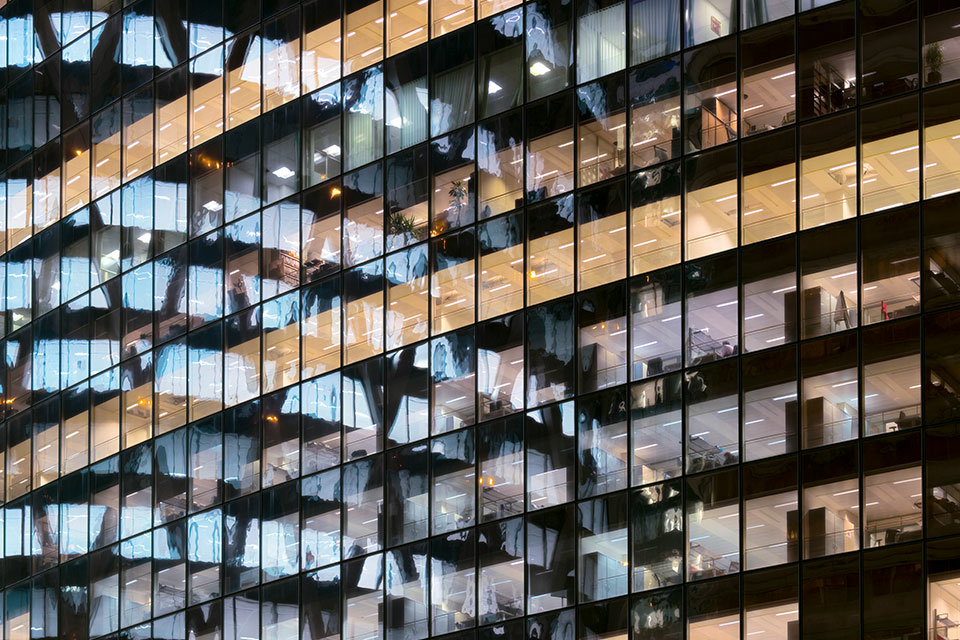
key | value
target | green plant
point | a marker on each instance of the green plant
(933, 58)
(458, 191)
(401, 224)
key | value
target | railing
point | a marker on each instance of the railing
(893, 529)
(894, 419)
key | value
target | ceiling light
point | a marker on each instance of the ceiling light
(213, 205)
(538, 68)
(333, 151)
(493, 87)
(284, 173)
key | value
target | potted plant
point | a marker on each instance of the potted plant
(933, 61)
(405, 226)
(458, 191)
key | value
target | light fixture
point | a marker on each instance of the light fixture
(493, 87)
(333, 151)
(539, 69)
(284, 173)
(213, 205)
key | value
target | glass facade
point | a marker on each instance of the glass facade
(486, 319)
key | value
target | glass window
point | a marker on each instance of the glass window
(453, 376)
(654, 29)
(893, 575)
(549, 47)
(363, 610)
(551, 559)
(771, 533)
(707, 21)
(501, 266)
(363, 42)
(453, 281)
(656, 425)
(550, 355)
(831, 503)
(452, 79)
(769, 294)
(890, 259)
(407, 487)
(407, 302)
(768, 76)
(771, 602)
(500, 161)
(940, 139)
(941, 398)
(939, 38)
(453, 481)
(501, 456)
(769, 186)
(550, 242)
(363, 215)
(363, 291)
(710, 94)
(320, 55)
(454, 172)
(828, 280)
(831, 596)
(889, 57)
(362, 413)
(281, 60)
(406, 603)
(321, 135)
(602, 429)
(406, 25)
(713, 526)
(363, 124)
(206, 96)
(892, 490)
(942, 482)
(321, 423)
(500, 56)
(602, 533)
(770, 404)
(452, 576)
(655, 112)
(243, 78)
(500, 366)
(321, 327)
(601, 39)
(753, 13)
(602, 327)
(550, 169)
(655, 214)
(712, 417)
(405, 96)
(602, 234)
(710, 208)
(601, 130)
(891, 378)
(827, 60)
(889, 155)
(710, 312)
(451, 14)
(501, 552)
(363, 499)
(550, 441)
(657, 527)
(828, 370)
(657, 616)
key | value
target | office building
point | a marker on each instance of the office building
(480, 319)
